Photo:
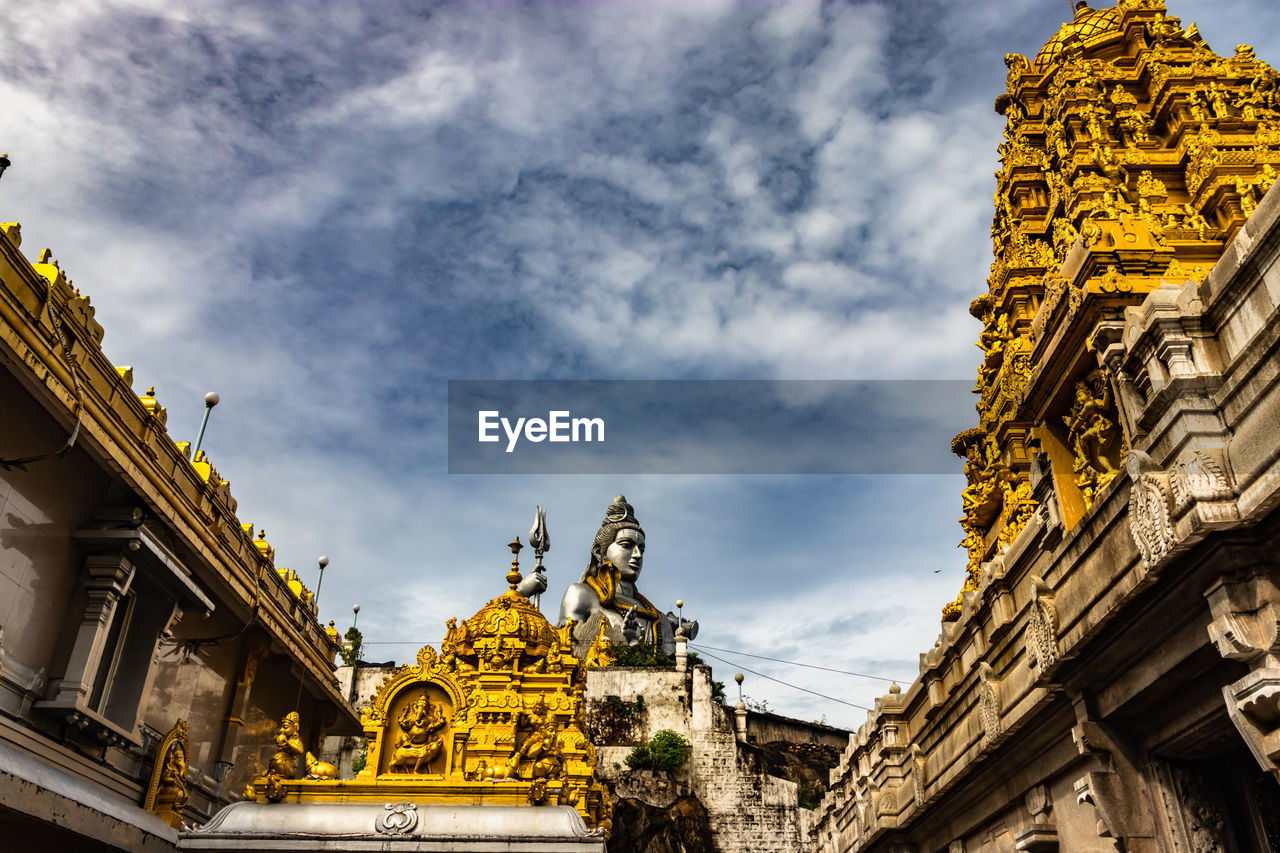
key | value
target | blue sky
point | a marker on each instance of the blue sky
(325, 211)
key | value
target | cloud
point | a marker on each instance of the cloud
(326, 210)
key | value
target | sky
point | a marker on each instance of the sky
(325, 211)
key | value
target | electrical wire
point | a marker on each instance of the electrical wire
(794, 663)
(702, 650)
(22, 463)
(792, 686)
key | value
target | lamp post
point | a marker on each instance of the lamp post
(740, 712)
(355, 608)
(323, 561)
(210, 400)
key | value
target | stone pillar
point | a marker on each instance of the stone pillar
(682, 650)
(108, 579)
(255, 651)
(740, 721)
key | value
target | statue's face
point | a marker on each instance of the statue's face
(627, 553)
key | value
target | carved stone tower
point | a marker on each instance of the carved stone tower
(1132, 155)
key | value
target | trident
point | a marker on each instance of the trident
(541, 544)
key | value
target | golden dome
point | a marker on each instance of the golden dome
(1088, 25)
(513, 620)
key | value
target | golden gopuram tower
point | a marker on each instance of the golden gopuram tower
(1132, 155)
(494, 721)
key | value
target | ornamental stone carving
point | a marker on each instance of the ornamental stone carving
(397, 819)
(1042, 627)
(1149, 519)
(917, 774)
(1190, 814)
(1197, 476)
(988, 703)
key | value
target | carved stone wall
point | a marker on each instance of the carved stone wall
(747, 809)
(1111, 678)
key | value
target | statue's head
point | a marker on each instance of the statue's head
(620, 540)
(292, 722)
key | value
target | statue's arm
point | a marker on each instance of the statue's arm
(579, 602)
(534, 584)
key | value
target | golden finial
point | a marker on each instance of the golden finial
(514, 577)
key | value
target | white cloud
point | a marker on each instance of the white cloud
(322, 212)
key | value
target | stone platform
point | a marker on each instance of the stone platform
(407, 827)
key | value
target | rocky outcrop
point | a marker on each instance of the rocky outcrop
(681, 827)
(807, 764)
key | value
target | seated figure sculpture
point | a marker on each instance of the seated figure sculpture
(607, 590)
(419, 722)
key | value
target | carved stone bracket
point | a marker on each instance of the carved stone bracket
(918, 779)
(1116, 789)
(1042, 628)
(989, 704)
(1041, 836)
(1246, 627)
(1198, 475)
(1150, 521)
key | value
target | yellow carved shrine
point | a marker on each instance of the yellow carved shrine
(1132, 154)
(167, 793)
(496, 718)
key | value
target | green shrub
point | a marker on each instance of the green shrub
(641, 655)
(354, 648)
(625, 710)
(666, 751)
(807, 798)
(361, 757)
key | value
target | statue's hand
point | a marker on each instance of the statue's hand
(631, 626)
(535, 584)
(690, 626)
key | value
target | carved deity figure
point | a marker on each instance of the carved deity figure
(418, 723)
(607, 590)
(542, 749)
(1092, 432)
(1195, 221)
(1268, 178)
(995, 335)
(1196, 106)
(284, 763)
(167, 794)
(1218, 100)
(1248, 200)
